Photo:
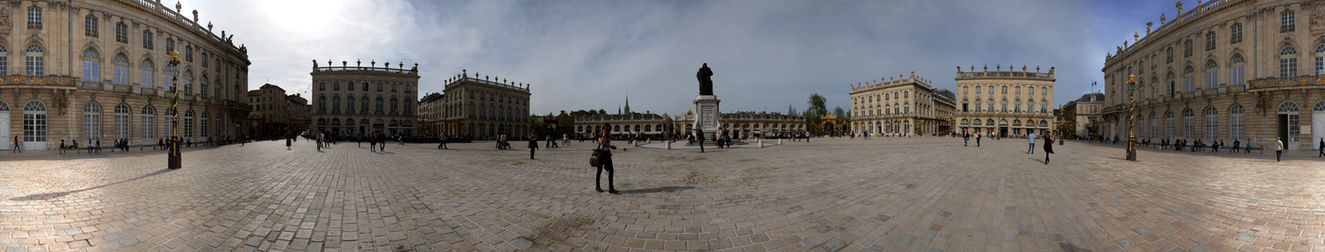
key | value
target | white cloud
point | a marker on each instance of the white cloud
(591, 54)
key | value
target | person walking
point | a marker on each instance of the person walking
(1031, 138)
(381, 147)
(372, 143)
(442, 139)
(1278, 149)
(977, 139)
(604, 152)
(1048, 146)
(533, 144)
(287, 143)
(966, 138)
(1322, 148)
(17, 148)
(699, 134)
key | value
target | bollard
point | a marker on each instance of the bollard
(779, 141)
(669, 145)
(761, 143)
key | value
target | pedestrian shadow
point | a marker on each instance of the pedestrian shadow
(52, 195)
(665, 189)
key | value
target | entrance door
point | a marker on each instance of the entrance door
(6, 141)
(1317, 129)
(1283, 128)
(34, 126)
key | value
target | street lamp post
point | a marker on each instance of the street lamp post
(174, 159)
(1131, 120)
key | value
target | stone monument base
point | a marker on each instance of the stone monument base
(707, 115)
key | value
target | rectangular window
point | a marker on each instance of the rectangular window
(1212, 79)
(1168, 55)
(36, 65)
(91, 71)
(1235, 34)
(1210, 41)
(1187, 48)
(121, 33)
(147, 39)
(34, 18)
(1236, 77)
(1287, 67)
(1287, 23)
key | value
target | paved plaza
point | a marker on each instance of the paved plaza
(882, 194)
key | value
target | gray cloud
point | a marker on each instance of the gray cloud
(591, 54)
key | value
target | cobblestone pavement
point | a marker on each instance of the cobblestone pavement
(921, 194)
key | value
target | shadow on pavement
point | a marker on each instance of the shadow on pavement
(52, 195)
(665, 189)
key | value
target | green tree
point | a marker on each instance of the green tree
(817, 105)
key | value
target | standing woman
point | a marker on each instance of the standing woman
(533, 144)
(1048, 146)
(604, 152)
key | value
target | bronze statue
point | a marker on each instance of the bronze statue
(705, 76)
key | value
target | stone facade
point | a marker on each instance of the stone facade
(901, 106)
(274, 112)
(483, 108)
(1245, 70)
(354, 100)
(1083, 115)
(1005, 103)
(431, 113)
(98, 70)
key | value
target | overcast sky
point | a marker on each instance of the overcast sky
(765, 54)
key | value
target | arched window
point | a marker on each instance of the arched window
(91, 66)
(90, 26)
(1154, 86)
(188, 53)
(91, 121)
(990, 103)
(977, 89)
(1236, 68)
(121, 69)
(188, 124)
(170, 45)
(1211, 74)
(1044, 106)
(1187, 48)
(335, 104)
(202, 125)
(202, 85)
(147, 72)
(1016, 106)
(335, 86)
(1167, 124)
(394, 103)
(1188, 79)
(363, 105)
(187, 82)
(1236, 126)
(380, 102)
(977, 105)
(34, 18)
(1211, 124)
(1004, 102)
(1154, 126)
(1168, 58)
(34, 121)
(349, 103)
(121, 121)
(1320, 59)
(365, 87)
(149, 122)
(35, 60)
(1287, 62)
(1030, 105)
(1188, 124)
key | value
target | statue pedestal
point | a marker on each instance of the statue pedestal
(707, 115)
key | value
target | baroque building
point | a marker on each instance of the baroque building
(97, 70)
(1083, 115)
(431, 112)
(1230, 70)
(354, 100)
(901, 106)
(651, 125)
(483, 108)
(1005, 103)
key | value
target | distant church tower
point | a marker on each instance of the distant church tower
(627, 104)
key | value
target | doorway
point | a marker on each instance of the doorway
(5, 139)
(1288, 127)
(1317, 124)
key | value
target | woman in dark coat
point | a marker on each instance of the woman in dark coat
(604, 150)
(533, 144)
(1048, 146)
